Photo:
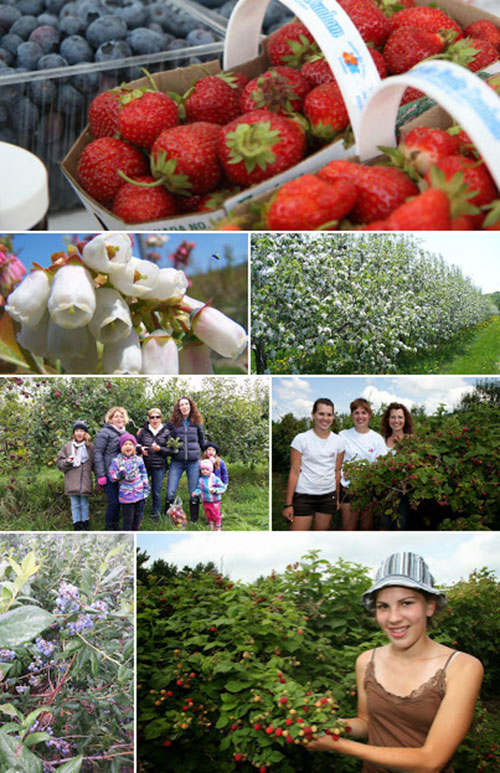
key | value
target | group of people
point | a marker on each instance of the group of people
(318, 484)
(129, 468)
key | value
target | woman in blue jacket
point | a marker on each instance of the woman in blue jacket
(186, 425)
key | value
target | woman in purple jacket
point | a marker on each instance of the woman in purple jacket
(186, 425)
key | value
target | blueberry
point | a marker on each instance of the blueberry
(159, 13)
(49, 130)
(227, 8)
(48, 18)
(25, 116)
(8, 15)
(69, 9)
(87, 82)
(11, 42)
(200, 37)
(55, 6)
(135, 15)
(89, 11)
(211, 3)
(69, 99)
(75, 49)
(145, 41)
(106, 28)
(276, 15)
(7, 134)
(24, 26)
(28, 55)
(31, 7)
(47, 38)
(42, 92)
(50, 61)
(72, 25)
(114, 49)
(10, 92)
(6, 57)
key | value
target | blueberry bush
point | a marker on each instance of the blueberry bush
(66, 654)
(234, 676)
(354, 303)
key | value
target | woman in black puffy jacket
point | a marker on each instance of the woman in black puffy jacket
(186, 425)
(152, 439)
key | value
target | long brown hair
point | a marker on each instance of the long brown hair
(194, 416)
(408, 427)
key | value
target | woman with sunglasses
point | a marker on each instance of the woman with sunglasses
(152, 444)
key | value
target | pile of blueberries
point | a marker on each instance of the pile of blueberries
(47, 114)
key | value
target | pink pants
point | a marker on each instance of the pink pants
(212, 511)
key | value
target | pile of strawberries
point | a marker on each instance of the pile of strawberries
(156, 155)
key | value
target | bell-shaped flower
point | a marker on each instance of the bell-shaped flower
(194, 358)
(85, 362)
(160, 355)
(171, 283)
(219, 332)
(28, 303)
(111, 320)
(136, 278)
(34, 339)
(72, 297)
(108, 252)
(123, 356)
(62, 342)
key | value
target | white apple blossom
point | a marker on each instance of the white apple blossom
(160, 355)
(28, 302)
(194, 358)
(111, 320)
(72, 297)
(219, 332)
(171, 283)
(123, 356)
(136, 278)
(108, 252)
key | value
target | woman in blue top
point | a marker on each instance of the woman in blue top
(186, 425)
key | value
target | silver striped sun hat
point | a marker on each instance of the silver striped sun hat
(407, 570)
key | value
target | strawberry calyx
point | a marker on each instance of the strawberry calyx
(401, 161)
(493, 216)
(462, 52)
(274, 92)
(163, 169)
(252, 144)
(456, 188)
(300, 51)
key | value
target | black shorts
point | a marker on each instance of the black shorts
(345, 497)
(308, 504)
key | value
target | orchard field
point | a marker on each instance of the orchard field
(36, 419)
(66, 654)
(449, 468)
(234, 676)
(364, 303)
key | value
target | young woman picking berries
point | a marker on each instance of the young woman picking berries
(416, 697)
(396, 423)
(313, 490)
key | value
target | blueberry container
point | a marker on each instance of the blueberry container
(44, 99)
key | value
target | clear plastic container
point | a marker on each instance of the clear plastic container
(44, 111)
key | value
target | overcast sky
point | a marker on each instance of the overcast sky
(296, 394)
(246, 555)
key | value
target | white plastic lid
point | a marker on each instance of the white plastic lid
(24, 190)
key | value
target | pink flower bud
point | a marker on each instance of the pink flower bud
(220, 333)
(11, 272)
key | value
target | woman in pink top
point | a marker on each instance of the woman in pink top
(416, 697)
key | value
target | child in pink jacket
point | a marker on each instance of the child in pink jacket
(210, 488)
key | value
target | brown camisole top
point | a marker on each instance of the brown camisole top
(396, 720)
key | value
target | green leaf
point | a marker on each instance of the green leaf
(34, 738)
(23, 624)
(8, 708)
(16, 756)
(72, 766)
(235, 686)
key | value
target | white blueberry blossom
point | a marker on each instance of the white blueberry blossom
(108, 252)
(160, 355)
(28, 303)
(111, 320)
(72, 297)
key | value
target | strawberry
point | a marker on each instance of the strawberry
(307, 203)
(144, 115)
(136, 204)
(429, 211)
(430, 19)
(258, 145)
(317, 70)
(478, 53)
(100, 162)
(214, 98)
(103, 113)
(410, 95)
(380, 188)
(389, 7)
(424, 146)
(280, 89)
(325, 109)
(474, 174)
(484, 29)
(372, 24)
(291, 44)
(408, 45)
(185, 158)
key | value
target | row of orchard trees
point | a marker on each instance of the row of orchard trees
(354, 303)
(216, 658)
(37, 414)
(449, 468)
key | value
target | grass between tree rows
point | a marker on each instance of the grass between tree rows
(37, 502)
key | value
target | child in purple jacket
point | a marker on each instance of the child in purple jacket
(210, 488)
(129, 471)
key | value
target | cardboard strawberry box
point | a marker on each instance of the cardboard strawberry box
(242, 41)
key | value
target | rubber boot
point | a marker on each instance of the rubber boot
(84, 525)
(194, 509)
(77, 526)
